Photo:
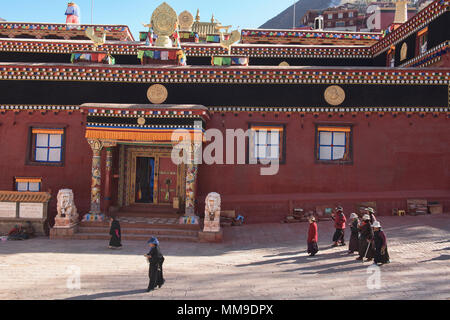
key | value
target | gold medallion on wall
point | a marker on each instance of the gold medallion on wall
(141, 121)
(334, 95)
(157, 94)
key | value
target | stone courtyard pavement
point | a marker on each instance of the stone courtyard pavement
(265, 261)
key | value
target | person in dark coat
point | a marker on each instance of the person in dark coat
(366, 247)
(339, 224)
(156, 260)
(354, 238)
(312, 237)
(115, 233)
(381, 251)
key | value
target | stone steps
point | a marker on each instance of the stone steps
(124, 225)
(134, 237)
(141, 231)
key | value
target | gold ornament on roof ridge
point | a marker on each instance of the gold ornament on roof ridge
(164, 22)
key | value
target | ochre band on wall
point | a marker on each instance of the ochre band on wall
(334, 129)
(48, 131)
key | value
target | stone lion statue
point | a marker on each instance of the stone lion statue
(66, 206)
(212, 212)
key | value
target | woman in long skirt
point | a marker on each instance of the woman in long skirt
(116, 234)
(354, 238)
(381, 251)
(312, 237)
(366, 247)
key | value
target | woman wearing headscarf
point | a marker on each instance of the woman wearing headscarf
(371, 212)
(115, 233)
(354, 237)
(366, 248)
(312, 237)
(156, 260)
(339, 224)
(381, 252)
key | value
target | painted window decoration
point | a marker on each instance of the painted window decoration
(28, 184)
(47, 145)
(422, 41)
(333, 143)
(266, 143)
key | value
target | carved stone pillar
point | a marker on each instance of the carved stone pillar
(109, 160)
(97, 147)
(191, 178)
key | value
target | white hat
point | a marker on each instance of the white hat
(376, 224)
(371, 210)
(353, 216)
(366, 217)
(312, 218)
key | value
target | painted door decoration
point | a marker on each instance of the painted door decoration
(167, 180)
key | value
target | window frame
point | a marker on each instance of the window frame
(32, 146)
(419, 41)
(317, 145)
(251, 145)
(27, 180)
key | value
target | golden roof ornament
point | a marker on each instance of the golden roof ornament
(98, 41)
(164, 22)
(197, 17)
(186, 20)
(235, 37)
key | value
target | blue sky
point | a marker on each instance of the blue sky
(242, 13)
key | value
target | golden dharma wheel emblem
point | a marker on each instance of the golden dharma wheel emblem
(141, 121)
(284, 64)
(157, 94)
(334, 95)
(185, 20)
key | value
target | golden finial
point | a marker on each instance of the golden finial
(197, 17)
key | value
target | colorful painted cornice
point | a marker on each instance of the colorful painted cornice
(192, 50)
(430, 57)
(419, 21)
(39, 107)
(331, 109)
(309, 37)
(220, 75)
(66, 31)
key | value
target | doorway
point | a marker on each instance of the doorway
(145, 180)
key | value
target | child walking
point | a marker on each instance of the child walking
(156, 260)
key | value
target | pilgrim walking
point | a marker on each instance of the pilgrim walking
(116, 234)
(339, 224)
(312, 237)
(354, 237)
(381, 251)
(366, 248)
(155, 260)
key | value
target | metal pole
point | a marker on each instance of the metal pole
(293, 22)
(92, 11)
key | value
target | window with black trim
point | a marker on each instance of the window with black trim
(267, 142)
(47, 146)
(334, 144)
(28, 184)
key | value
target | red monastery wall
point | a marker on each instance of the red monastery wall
(76, 172)
(394, 159)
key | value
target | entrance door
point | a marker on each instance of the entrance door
(167, 180)
(145, 179)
